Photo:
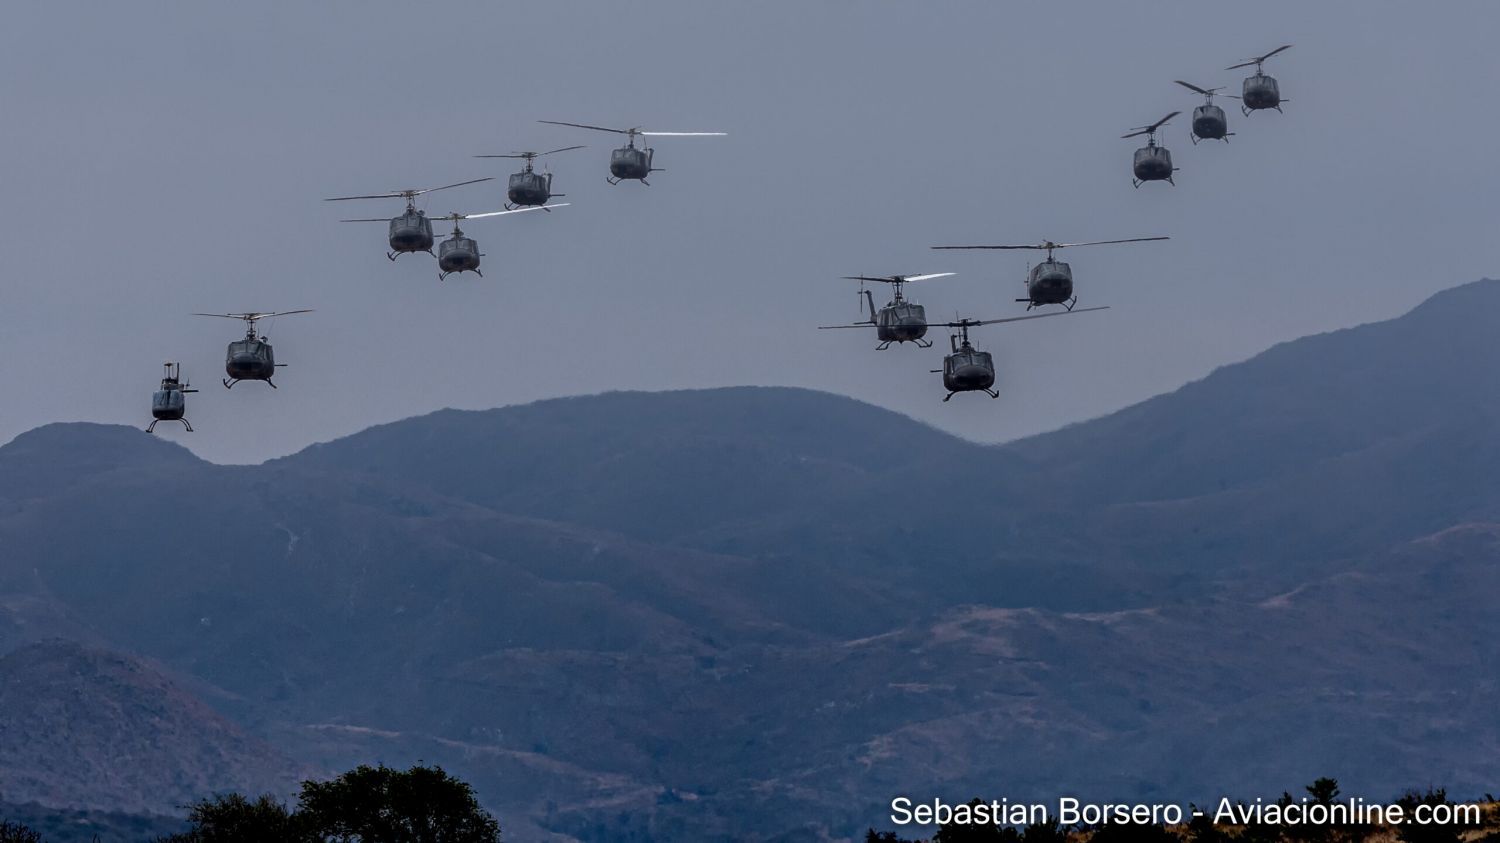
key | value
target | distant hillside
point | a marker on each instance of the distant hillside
(85, 721)
(713, 614)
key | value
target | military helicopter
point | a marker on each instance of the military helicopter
(1209, 122)
(1152, 162)
(412, 231)
(1051, 281)
(169, 403)
(251, 358)
(900, 320)
(1259, 91)
(529, 187)
(630, 162)
(966, 368)
(461, 254)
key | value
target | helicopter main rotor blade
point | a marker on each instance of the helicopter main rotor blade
(971, 323)
(252, 317)
(855, 325)
(683, 134)
(1191, 87)
(1258, 61)
(369, 219)
(455, 184)
(587, 126)
(513, 211)
(898, 279)
(1107, 242)
(403, 194)
(1029, 246)
(1162, 122)
(532, 154)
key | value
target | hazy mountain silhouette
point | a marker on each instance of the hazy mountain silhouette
(728, 613)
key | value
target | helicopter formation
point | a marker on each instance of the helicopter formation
(252, 358)
(1050, 282)
(900, 321)
(1258, 92)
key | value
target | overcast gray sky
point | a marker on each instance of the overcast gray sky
(164, 158)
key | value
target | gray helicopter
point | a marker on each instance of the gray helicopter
(460, 253)
(1051, 281)
(1209, 122)
(169, 402)
(528, 187)
(1259, 91)
(251, 358)
(900, 320)
(629, 161)
(1152, 162)
(411, 231)
(966, 368)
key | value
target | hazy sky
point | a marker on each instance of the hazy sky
(164, 158)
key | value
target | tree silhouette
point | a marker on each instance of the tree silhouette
(235, 819)
(17, 833)
(383, 805)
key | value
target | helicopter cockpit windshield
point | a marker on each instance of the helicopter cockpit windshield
(246, 348)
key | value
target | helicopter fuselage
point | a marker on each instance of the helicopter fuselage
(1049, 282)
(411, 232)
(968, 370)
(168, 404)
(901, 321)
(458, 254)
(1152, 163)
(1260, 92)
(1209, 123)
(630, 162)
(528, 188)
(250, 360)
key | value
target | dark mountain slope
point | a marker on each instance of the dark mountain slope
(100, 730)
(1310, 399)
(654, 465)
(49, 459)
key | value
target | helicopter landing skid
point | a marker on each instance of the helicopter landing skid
(151, 428)
(229, 384)
(990, 392)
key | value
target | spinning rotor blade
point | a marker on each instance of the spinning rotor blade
(369, 219)
(529, 155)
(970, 323)
(1257, 61)
(855, 325)
(1107, 242)
(898, 279)
(252, 317)
(683, 134)
(1146, 130)
(1208, 92)
(407, 194)
(587, 126)
(1049, 245)
(516, 211)
(989, 247)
